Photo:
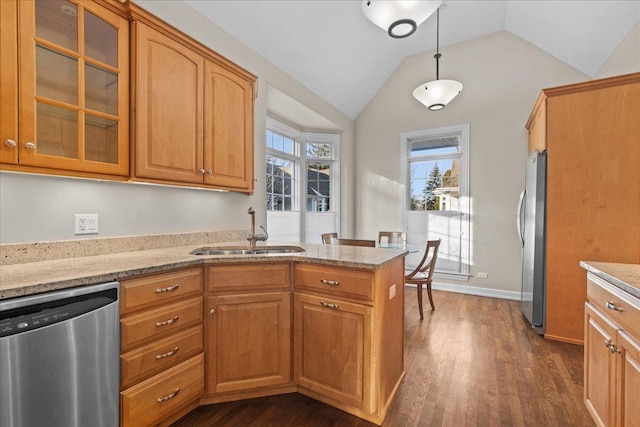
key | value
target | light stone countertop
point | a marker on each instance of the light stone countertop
(622, 276)
(54, 274)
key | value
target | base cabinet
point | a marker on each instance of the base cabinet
(349, 336)
(333, 348)
(162, 360)
(248, 343)
(611, 355)
(248, 330)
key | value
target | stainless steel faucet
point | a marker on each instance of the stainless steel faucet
(252, 237)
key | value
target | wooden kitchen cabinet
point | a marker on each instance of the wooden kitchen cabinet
(162, 359)
(333, 349)
(248, 330)
(611, 354)
(590, 131)
(72, 76)
(349, 336)
(193, 111)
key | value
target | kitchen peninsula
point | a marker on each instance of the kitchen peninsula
(327, 322)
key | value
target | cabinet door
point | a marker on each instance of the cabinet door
(628, 375)
(599, 366)
(74, 87)
(8, 82)
(332, 341)
(228, 112)
(248, 341)
(168, 119)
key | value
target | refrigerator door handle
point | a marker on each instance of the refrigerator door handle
(519, 219)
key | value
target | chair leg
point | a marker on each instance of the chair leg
(433, 307)
(419, 287)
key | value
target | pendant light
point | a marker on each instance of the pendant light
(400, 18)
(436, 94)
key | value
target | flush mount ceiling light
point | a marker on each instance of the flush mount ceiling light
(399, 18)
(436, 94)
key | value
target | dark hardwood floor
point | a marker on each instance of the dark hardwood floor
(471, 362)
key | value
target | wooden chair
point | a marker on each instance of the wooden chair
(328, 237)
(354, 242)
(393, 237)
(423, 274)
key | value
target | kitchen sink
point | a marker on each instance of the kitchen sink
(246, 251)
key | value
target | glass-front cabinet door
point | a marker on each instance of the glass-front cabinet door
(74, 84)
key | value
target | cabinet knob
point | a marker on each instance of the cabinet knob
(611, 306)
(201, 170)
(608, 343)
(613, 349)
(30, 145)
(210, 172)
(10, 143)
(212, 311)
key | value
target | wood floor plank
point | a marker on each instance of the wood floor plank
(473, 361)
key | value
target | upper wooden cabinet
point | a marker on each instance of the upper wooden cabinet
(192, 111)
(73, 85)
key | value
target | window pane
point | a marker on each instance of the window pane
(57, 22)
(57, 131)
(101, 139)
(56, 76)
(101, 40)
(288, 145)
(101, 90)
(279, 181)
(278, 142)
(318, 150)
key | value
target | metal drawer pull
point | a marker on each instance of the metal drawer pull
(607, 343)
(612, 306)
(169, 396)
(329, 305)
(167, 354)
(167, 322)
(613, 349)
(169, 289)
(330, 282)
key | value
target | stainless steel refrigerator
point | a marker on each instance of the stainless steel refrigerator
(531, 227)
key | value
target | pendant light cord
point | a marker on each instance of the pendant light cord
(437, 55)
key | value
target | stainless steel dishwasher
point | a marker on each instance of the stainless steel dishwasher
(59, 358)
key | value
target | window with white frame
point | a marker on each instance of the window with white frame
(302, 183)
(437, 207)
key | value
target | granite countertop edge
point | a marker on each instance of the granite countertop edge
(46, 276)
(623, 276)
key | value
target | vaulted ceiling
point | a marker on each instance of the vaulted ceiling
(332, 49)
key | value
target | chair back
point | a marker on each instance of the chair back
(393, 237)
(428, 262)
(328, 237)
(354, 242)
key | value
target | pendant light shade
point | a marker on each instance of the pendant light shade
(399, 18)
(436, 94)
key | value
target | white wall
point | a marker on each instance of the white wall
(502, 77)
(41, 208)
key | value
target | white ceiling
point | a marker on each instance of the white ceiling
(332, 49)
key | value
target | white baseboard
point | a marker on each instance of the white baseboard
(473, 290)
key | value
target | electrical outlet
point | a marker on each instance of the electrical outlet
(86, 224)
(483, 276)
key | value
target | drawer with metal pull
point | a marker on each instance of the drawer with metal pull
(143, 362)
(161, 288)
(152, 400)
(343, 282)
(150, 325)
(621, 307)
